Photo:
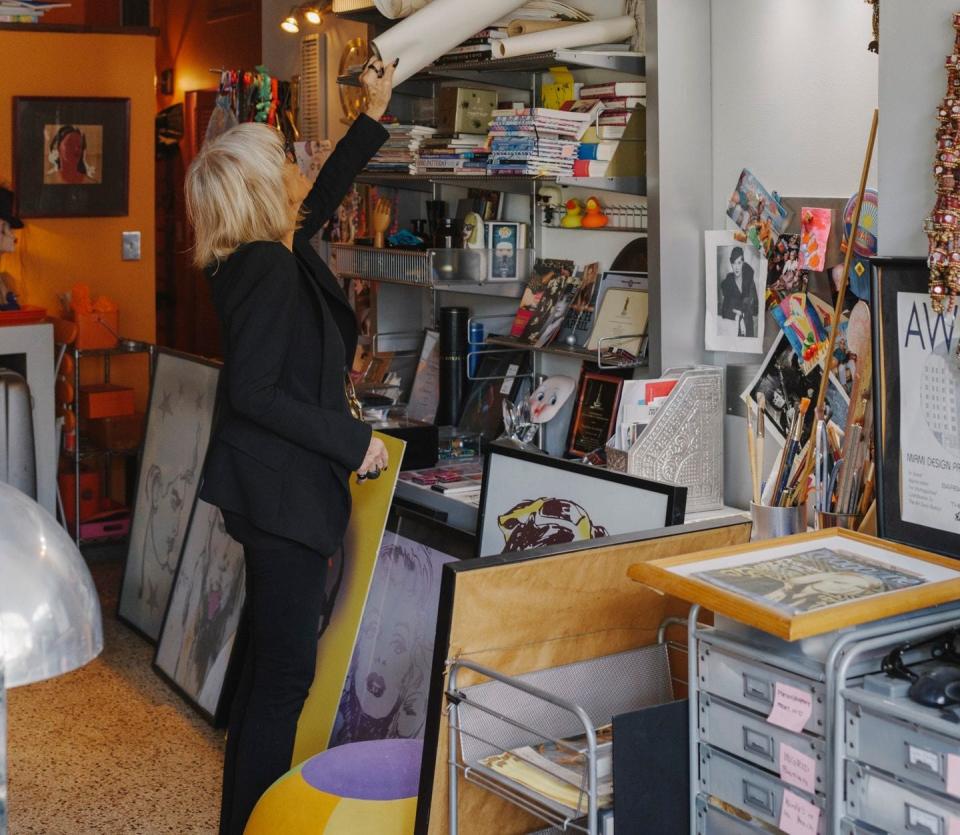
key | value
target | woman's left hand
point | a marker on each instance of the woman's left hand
(377, 81)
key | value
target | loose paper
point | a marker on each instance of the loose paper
(953, 775)
(954, 826)
(929, 415)
(792, 707)
(798, 769)
(798, 816)
(448, 22)
(580, 34)
(814, 237)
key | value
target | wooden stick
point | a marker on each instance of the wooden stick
(752, 453)
(844, 280)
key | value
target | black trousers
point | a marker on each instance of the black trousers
(285, 601)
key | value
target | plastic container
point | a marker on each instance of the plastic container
(104, 400)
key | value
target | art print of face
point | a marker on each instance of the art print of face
(549, 397)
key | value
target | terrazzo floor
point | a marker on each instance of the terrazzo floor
(110, 749)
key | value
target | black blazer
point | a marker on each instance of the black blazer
(284, 442)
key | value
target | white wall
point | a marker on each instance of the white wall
(916, 37)
(794, 89)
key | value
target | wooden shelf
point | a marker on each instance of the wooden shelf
(79, 29)
(582, 354)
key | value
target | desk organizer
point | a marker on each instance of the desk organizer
(683, 444)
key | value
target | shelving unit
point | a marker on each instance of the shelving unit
(568, 351)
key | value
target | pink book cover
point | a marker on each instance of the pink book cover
(814, 235)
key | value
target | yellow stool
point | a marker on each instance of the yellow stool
(364, 788)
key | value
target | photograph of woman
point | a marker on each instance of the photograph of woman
(285, 441)
(736, 279)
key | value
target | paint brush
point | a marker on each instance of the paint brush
(752, 453)
(761, 433)
(791, 450)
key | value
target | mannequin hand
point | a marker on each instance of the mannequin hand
(375, 459)
(380, 220)
(377, 82)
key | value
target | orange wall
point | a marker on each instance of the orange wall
(55, 253)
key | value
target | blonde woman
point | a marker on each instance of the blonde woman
(285, 442)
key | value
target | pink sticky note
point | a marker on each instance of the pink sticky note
(797, 769)
(798, 816)
(792, 707)
(953, 828)
(953, 774)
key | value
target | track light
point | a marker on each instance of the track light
(290, 23)
(313, 15)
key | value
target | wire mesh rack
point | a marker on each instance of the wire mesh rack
(545, 710)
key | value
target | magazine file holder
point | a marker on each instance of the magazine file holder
(683, 444)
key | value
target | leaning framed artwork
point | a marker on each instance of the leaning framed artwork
(530, 500)
(179, 423)
(808, 584)
(916, 378)
(71, 156)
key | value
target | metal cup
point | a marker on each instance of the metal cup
(773, 522)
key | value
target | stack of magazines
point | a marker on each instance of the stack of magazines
(26, 11)
(536, 141)
(461, 153)
(401, 151)
(477, 48)
(558, 772)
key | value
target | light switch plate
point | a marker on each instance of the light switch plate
(130, 249)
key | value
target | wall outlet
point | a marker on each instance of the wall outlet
(130, 249)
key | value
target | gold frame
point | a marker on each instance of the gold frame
(657, 575)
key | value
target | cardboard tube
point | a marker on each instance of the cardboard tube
(526, 27)
(438, 27)
(395, 9)
(581, 34)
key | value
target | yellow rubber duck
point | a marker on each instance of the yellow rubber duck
(595, 218)
(573, 219)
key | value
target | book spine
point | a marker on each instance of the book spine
(590, 168)
(613, 90)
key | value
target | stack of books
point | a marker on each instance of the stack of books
(460, 153)
(537, 141)
(401, 151)
(26, 11)
(479, 47)
(619, 100)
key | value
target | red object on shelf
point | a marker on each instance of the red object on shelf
(29, 314)
(89, 495)
(111, 523)
(103, 400)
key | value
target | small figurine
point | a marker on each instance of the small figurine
(595, 218)
(550, 199)
(573, 219)
(473, 231)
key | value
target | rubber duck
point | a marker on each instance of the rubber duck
(595, 218)
(573, 219)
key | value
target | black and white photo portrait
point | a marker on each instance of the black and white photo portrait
(736, 275)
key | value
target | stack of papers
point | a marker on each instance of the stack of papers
(459, 154)
(401, 151)
(535, 141)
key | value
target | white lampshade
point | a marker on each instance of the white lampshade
(49, 610)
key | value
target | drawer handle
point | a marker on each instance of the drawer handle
(757, 689)
(757, 743)
(758, 797)
(922, 822)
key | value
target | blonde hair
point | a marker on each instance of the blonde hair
(236, 193)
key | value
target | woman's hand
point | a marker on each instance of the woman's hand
(377, 81)
(376, 458)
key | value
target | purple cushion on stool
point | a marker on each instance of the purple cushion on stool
(385, 769)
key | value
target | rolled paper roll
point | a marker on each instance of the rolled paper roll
(580, 34)
(395, 9)
(526, 27)
(424, 36)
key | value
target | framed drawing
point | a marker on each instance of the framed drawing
(916, 410)
(530, 500)
(595, 414)
(385, 693)
(71, 156)
(179, 422)
(197, 636)
(808, 584)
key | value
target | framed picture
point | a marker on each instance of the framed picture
(736, 284)
(530, 500)
(385, 693)
(621, 318)
(916, 410)
(179, 422)
(197, 637)
(595, 415)
(808, 584)
(71, 156)
(504, 243)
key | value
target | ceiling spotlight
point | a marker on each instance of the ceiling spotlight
(313, 15)
(290, 23)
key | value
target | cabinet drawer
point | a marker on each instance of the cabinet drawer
(903, 749)
(755, 740)
(750, 789)
(714, 821)
(897, 808)
(751, 684)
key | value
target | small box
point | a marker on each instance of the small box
(89, 495)
(465, 110)
(120, 433)
(97, 330)
(105, 400)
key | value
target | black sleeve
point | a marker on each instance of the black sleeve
(266, 298)
(352, 153)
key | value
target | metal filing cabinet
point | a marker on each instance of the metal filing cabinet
(712, 820)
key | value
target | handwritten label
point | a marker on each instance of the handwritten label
(922, 758)
(798, 816)
(953, 775)
(792, 707)
(797, 769)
